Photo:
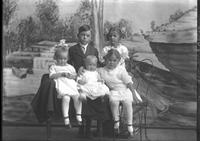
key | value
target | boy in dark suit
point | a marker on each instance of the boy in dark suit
(85, 47)
(77, 54)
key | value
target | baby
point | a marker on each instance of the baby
(90, 83)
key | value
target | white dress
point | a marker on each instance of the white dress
(121, 49)
(92, 89)
(64, 86)
(117, 80)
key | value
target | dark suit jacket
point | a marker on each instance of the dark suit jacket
(76, 55)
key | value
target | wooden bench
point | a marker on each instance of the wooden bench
(47, 108)
(46, 105)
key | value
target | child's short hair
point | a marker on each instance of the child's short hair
(59, 50)
(84, 28)
(112, 52)
(114, 29)
(90, 57)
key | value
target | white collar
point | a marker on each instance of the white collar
(118, 46)
(85, 46)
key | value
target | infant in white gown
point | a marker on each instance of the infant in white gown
(90, 82)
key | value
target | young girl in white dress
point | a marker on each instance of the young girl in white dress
(64, 76)
(90, 82)
(114, 37)
(121, 89)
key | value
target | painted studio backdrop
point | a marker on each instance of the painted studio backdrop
(160, 35)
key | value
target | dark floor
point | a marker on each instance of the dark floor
(11, 133)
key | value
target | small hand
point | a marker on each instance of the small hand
(136, 99)
(82, 82)
(68, 75)
(64, 74)
(81, 71)
(100, 80)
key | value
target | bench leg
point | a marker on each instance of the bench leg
(140, 114)
(100, 128)
(145, 124)
(48, 129)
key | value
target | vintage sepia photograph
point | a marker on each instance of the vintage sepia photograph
(99, 70)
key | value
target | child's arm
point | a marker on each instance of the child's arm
(72, 74)
(53, 74)
(127, 79)
(57, 75)
(125, 53)
(99, 79)
(136, 96)
(81, 80)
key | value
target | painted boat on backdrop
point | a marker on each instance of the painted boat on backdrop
(175, 45)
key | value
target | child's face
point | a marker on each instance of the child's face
(91, 65)
(112, 62)
(114, 38)
(62, 59)
(84, 37)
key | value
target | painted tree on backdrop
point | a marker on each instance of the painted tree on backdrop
(124, 25)
(9, 8)
(27, 32)
(83, 15)
(48, 13)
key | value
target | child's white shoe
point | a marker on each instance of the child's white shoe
(131, 131)
(79, 119)
(116, 128)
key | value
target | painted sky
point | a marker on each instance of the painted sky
(140, 12)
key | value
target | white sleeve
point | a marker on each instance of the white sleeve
(126, 78)
(124, 53)
(52, 70)
(73, 71)
(105, 50)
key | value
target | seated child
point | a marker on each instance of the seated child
(64, 76)
(90, 83)
(121, 89)
(79, 52)
(93, 91)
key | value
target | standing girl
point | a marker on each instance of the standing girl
(114, 37)
(121, 89)
(64, 76)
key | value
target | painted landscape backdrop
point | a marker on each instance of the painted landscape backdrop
(161, 38)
